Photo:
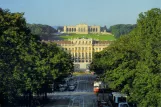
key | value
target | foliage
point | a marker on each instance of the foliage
(121, 29)
(44, 31)
(27, 65)
(132, 63)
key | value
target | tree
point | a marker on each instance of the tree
(121, 29)
(27, 65)
(44, 31)
(15, 38)
(132, 63)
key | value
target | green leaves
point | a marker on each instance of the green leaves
(132, 63)
(44, 31)
(121, 29)
(27, 65)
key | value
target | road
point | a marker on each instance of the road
(82, 96)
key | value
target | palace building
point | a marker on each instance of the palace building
(81, 50)
(82, 29)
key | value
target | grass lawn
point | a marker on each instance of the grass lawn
(93, 36)
(80, 73)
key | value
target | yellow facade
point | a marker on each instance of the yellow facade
(82, 29)
(82, 50)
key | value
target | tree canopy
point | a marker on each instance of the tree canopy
(132, 63)
(121, 29)
(44, 31)
(27, 65)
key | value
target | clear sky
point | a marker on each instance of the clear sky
(72, 12)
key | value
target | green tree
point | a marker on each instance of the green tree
(15, 38)
(132, 63)
(121, 29)
(27, 65)
(44, 31)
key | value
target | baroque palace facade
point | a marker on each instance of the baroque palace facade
(82, 50)
(82, 29)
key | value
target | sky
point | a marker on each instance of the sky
(72, 12)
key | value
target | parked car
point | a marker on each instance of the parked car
(63, 85)
(72, 83)
(60, 84)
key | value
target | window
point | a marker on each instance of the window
(89, 55)
(82, 55)
(86, 55)
(82, 60)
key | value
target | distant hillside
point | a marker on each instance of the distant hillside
(44, 31)
(121, 29)
(61, 28)
(55, 27)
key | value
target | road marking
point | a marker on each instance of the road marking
(83, 101)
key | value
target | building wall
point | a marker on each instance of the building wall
(82, 50)
(82, 29)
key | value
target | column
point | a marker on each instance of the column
(91, 52)
(76, 29)
(65, 29)
(98, 29)
(74, 54)
(81, 53)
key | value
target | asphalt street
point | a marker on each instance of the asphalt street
(82, 96)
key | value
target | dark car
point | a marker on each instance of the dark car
(60, 84)
(72, 84)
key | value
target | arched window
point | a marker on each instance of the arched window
(93, 29)
(81, 29)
